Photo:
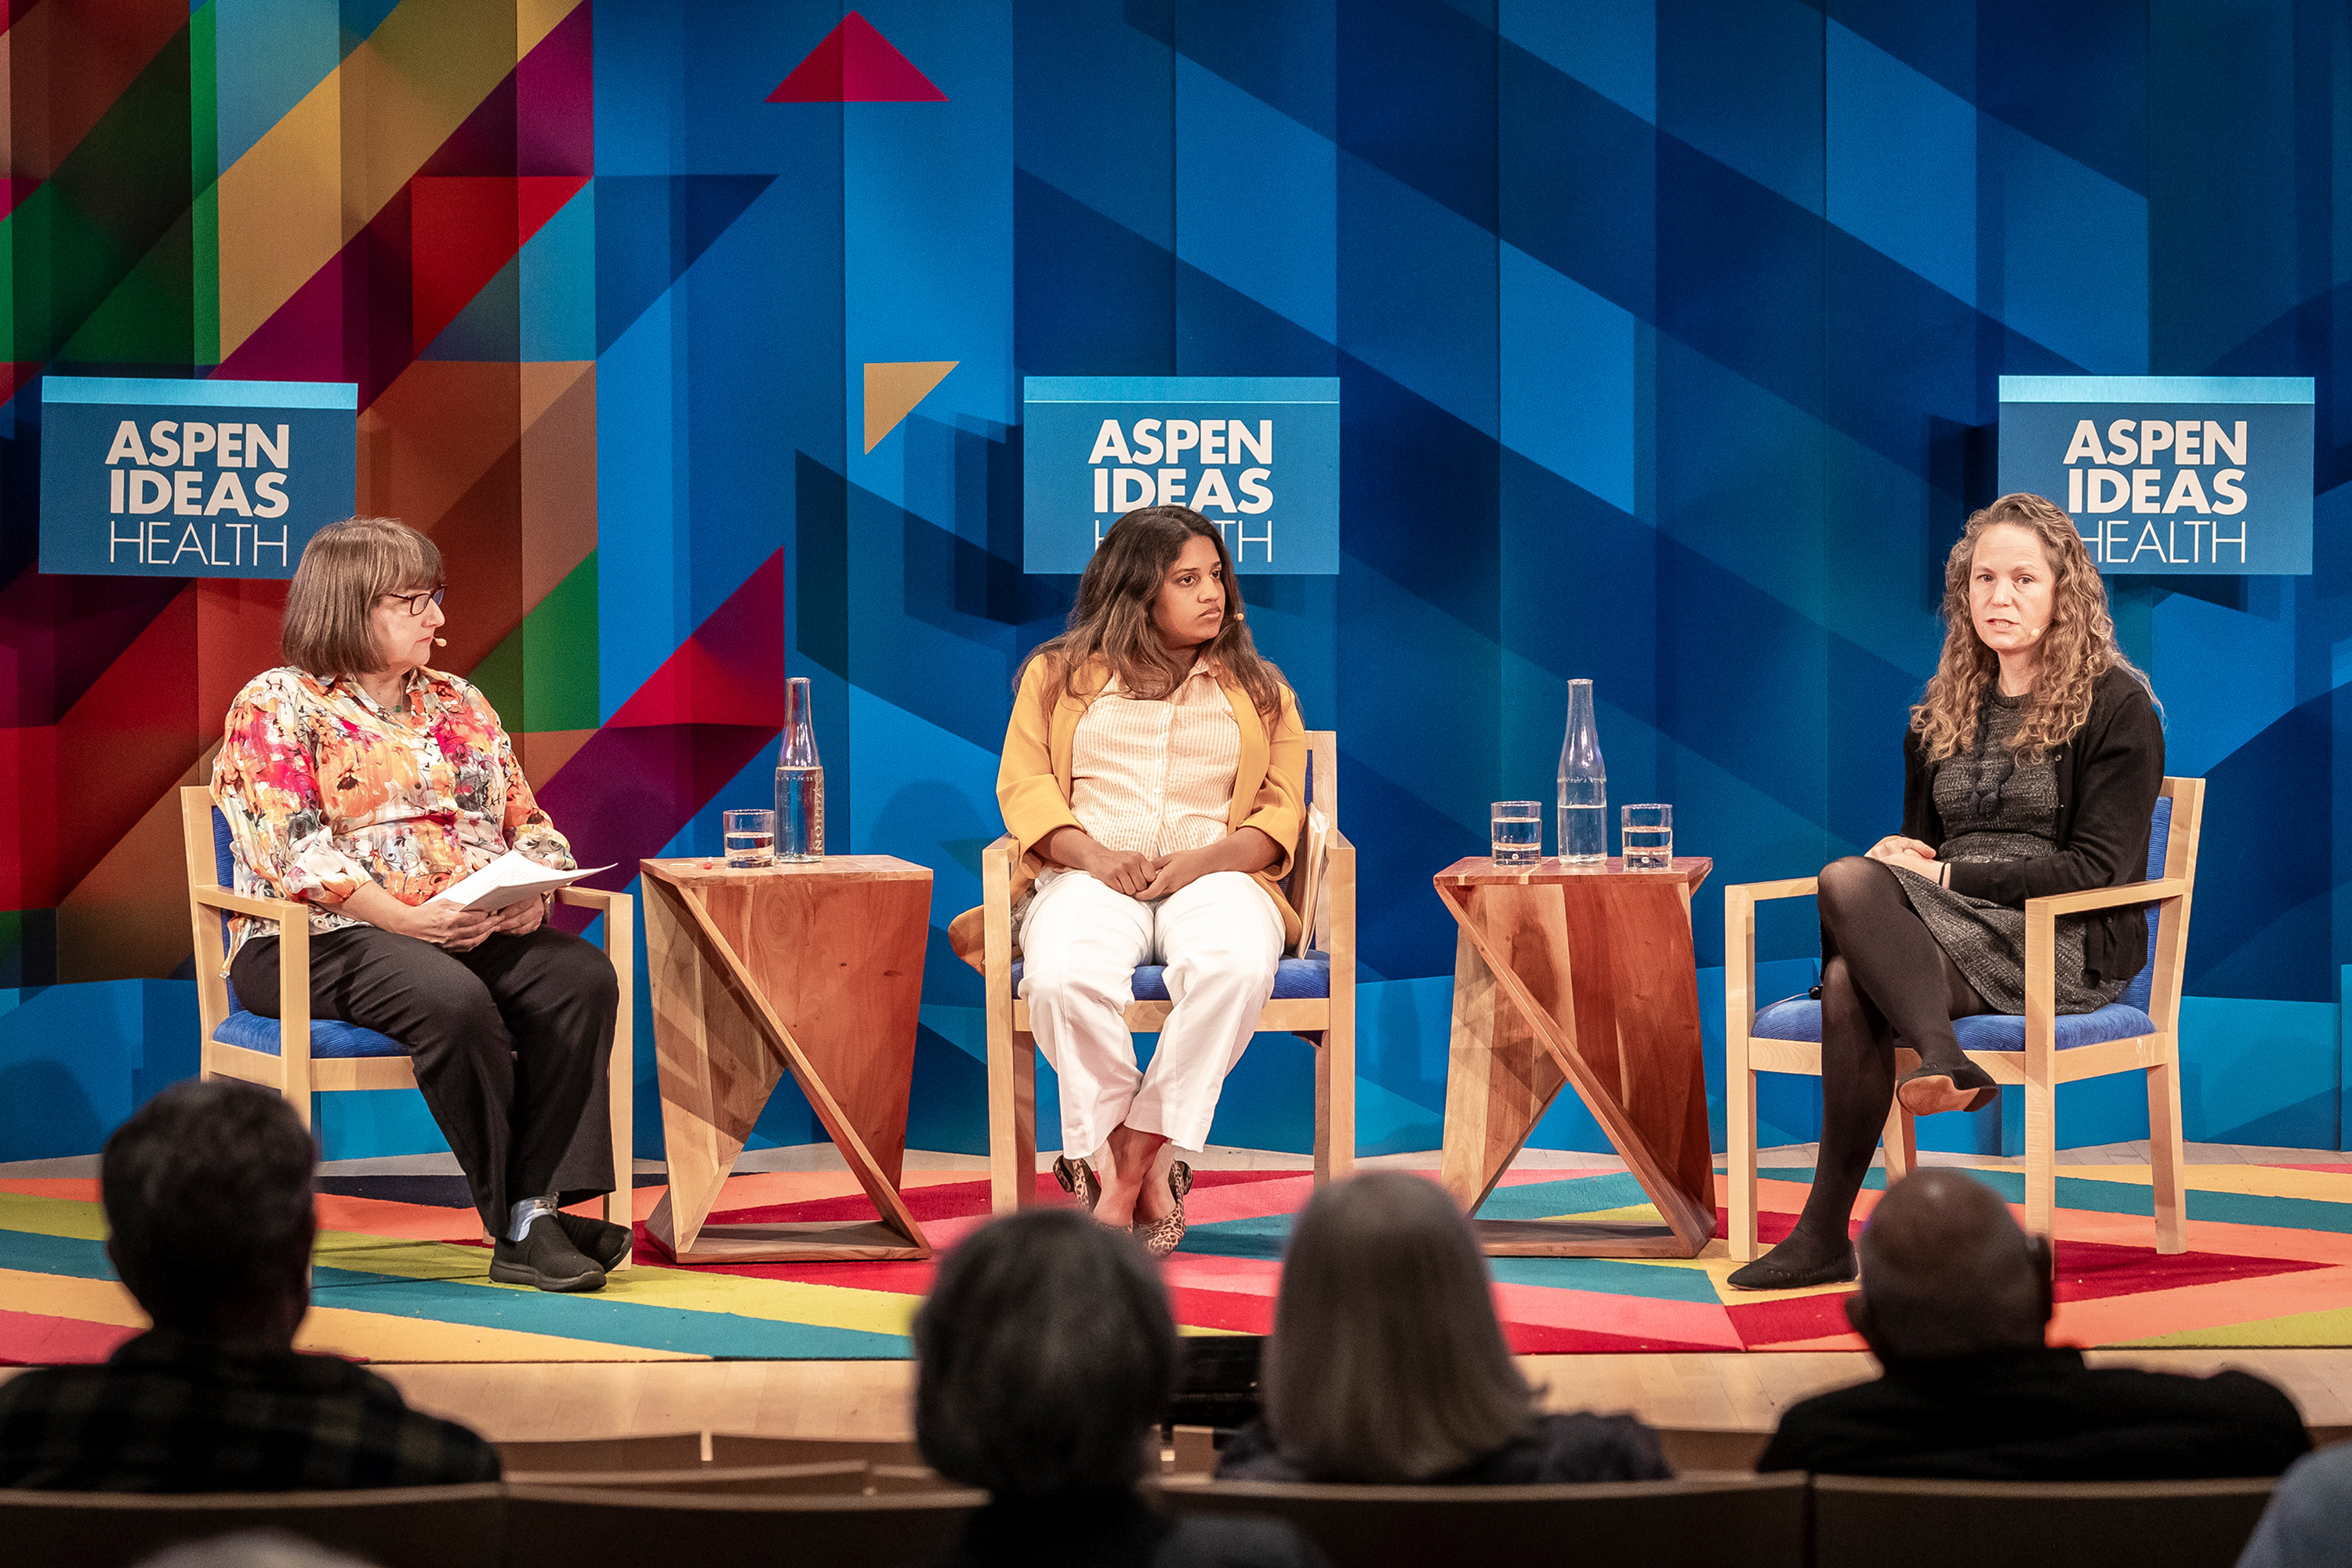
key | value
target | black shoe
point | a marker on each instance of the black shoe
(545, 1257)
(605, 1244)
(1764, 1274)
(1931, 1089)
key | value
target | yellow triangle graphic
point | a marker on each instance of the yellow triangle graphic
(893, 390)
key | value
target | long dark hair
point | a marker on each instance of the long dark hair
(1112, 618)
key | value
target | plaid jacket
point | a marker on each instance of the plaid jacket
(170, 1413)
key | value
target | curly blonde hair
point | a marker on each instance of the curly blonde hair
(2078, 647)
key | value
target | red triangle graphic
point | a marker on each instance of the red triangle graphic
(539, 197)
(856, 64)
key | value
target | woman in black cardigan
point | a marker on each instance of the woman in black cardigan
(2031, 767)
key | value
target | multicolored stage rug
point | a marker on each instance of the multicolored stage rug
(403, 1272)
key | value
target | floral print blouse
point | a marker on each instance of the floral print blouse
(325, 791)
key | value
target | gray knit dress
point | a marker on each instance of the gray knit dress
(1996, 808)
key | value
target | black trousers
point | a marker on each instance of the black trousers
(509, 1040)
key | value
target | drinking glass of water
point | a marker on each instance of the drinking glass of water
(750, 837)
(1648, 835)
(1518, 832)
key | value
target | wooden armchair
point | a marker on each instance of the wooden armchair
(300, 1056)
(2137, 1031)
(1314, 993)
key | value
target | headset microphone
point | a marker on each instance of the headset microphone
(440, 642)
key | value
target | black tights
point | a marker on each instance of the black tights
(1884, 977)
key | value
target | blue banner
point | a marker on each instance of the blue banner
(2170, 474)
(1257, 456)
(192, 478)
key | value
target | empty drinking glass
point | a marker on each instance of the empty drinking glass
(1647, 835)
(1518, 832)
(750, 837)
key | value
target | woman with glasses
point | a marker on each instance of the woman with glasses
(2030, 767)
(362, 781)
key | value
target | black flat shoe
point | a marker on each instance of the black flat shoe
(1078, 1180)
(601, 1243)
(1766, 1275)
(1932, 1089)
(545, 1257)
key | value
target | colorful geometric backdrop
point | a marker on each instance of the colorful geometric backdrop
(1667, 331)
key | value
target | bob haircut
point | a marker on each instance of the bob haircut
(1045, 1352)
(1111, 619)
(345, 569)
(1387, 1366)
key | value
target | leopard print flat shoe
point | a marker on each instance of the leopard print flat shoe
(1163, 1236)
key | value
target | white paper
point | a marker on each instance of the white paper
(509, 879)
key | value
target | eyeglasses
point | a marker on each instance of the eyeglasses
(415, 603)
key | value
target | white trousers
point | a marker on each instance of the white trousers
(1221, 938)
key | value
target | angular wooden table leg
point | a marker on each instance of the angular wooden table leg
(1582, 978)
(812, 970)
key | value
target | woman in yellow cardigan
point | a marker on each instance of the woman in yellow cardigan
(1153, 772)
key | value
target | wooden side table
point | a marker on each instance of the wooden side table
(1581, 975)
(813, 969)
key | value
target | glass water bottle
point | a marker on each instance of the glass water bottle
(1583, 784)
(799, 781)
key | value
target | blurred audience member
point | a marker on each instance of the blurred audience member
(1044, 1359)
(207, 1193)
(1954, 1301)
(253, 1549)
(2309, 1521)
(1387, 1364)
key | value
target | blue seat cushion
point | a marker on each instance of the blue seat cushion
(1799, 1018)
(2125, 1019)
(329, 1036)
(1296, 979)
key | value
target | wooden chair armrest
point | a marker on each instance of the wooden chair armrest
(2107, 898)
(996, 861)
(280, 910)
(1787, 888)
(597, 899)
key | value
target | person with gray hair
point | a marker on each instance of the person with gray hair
(1956, 1303)
(1045, 1357)
(207, 1195)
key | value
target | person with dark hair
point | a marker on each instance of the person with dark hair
(1387, 1364)
(1154, 772)
(1044, 1358)
(364, 782)
(2030, 767)
(1956, 1303)
(207, 1197)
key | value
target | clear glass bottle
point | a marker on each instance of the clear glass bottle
(799, 781)
(1583, 784)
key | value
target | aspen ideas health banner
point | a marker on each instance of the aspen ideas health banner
(1257, 456)
(2171, 475)
(192, 478)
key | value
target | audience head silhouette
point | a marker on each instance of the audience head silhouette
(1947, 1272)
(1386, 1363)
(1045, 1352)
(207, 1195)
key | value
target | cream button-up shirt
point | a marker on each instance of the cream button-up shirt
(1157, 777)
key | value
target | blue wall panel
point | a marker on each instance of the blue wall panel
(1668, 333)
